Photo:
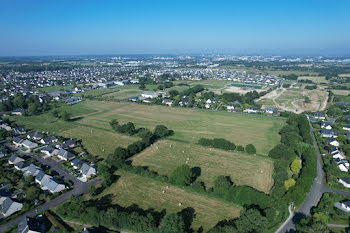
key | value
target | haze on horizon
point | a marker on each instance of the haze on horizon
(114, 27)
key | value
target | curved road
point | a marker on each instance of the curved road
(317, 190)
(78, 189)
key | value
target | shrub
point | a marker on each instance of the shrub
(250, 149)
(219, 143)
(240, 148)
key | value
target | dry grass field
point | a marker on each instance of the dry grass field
(147, 193)
(341, 92)
(165, 155)
(315, 79)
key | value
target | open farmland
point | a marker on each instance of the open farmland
(165, 155)
(93, 117)
(314, 79)
(147, 193)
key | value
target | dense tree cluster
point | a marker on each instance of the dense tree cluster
(219, 143)
(31, 103)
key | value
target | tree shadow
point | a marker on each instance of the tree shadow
(188, 215)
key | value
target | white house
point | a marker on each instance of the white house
(338, 155)
(207, 106)
(346, 127)
(333, 142)
(251, 110)
(15, 159)
(149, 95)
(29, 145)
(8, 206)
(88, 171)
(52, 186)
(167, 102)
(319, 116)
(345, 181)
(230, 107)
(326, 125)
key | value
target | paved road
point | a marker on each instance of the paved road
(317, 190)
(78, 189)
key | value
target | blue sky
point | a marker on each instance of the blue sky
(60, 27)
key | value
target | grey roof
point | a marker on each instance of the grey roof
(50, 184)
(346, 179)
(21, 165)
(69, 142)
(40, 175)
(29, 144)
(32, 169)
(30, 224)
(76, 162)
(13, 159)
(329, 132)
(47, 148)
(65, 154)
(319, 114)
(49, 139)
(35, 135)
(6, 205)
(17, 140)
(85, 169)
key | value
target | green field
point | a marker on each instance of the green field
(90, 122)
(147, 193)
(165, 155)
(315, 79)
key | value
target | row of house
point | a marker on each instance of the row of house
(46, 182)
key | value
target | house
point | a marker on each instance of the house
(346, 127)
(230, 107)
(207, 106)
(35, 136)
(134, 81)
(73, 100)
(319, 116)
(338, 155)
(70, 143)
(347, 135)
(333, 150)
(52, 186)
(88, 171)
(49, 151)
(333, 142)
(167, 102)
(342, 104)
(251, 110)
(64, 155)
(17, 141)
(326, 125)
(48, 140)
(76, 163)
(270, 110)
(343, 165)
(210, 101)
(29, 145)
(19, 130)
(14, 159)
(134, 98)
(345, 181)
(41, 177)
(3, 153)
(149, 95)
(18, 111)
(32, 170)
(31, 225)
(8, 206)
(5, 127)
(325, 133)
(21, 166)
(183, 102)
(346, 205)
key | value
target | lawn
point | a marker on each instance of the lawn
(147, 193)
(315, 79)
(165, 155)
(189, 125)
(341, 92)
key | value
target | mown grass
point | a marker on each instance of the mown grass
(164, 156)
(148, 193)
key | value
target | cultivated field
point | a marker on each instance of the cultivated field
(165, 155)
(341, 92)
(147, 193)
(315, 79)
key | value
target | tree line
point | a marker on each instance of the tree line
(221, 143)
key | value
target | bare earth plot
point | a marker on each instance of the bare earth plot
(293, 99)
(165, 155)
(148, 193)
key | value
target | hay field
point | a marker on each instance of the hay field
(315, 79)
(165, 155)
(147, 193)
